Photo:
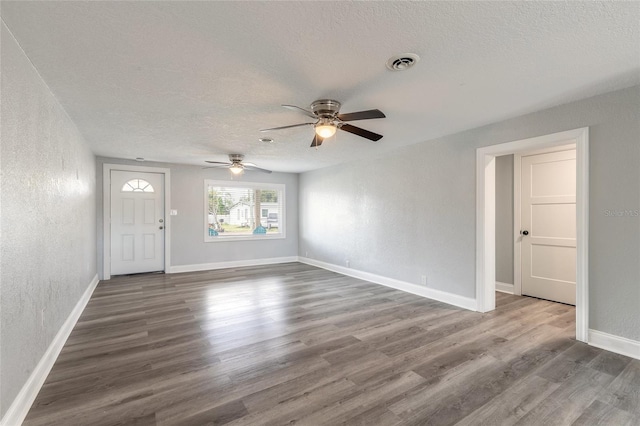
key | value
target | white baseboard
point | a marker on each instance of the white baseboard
(441, 296)
(231, 264)
(504, 287)
(612, 343)
(22, 403)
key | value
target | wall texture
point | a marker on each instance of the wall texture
(47, 222)
(413, 211)
(504, 219)
(187, 228)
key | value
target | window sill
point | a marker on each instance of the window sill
(221, 238)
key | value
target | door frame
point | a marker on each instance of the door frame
(517, 208)
(106, 212)
(486, 216)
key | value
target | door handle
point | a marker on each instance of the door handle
(161, 227)
(525, 232)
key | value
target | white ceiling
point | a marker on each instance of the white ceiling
(185, 82)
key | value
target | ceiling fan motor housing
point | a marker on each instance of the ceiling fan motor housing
(236, 158)
(325, 108)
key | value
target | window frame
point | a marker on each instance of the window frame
(280, 187)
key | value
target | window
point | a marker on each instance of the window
(137, 185)
(243, 210)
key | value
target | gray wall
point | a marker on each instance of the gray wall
(504, 219)
(413, 212)
(187, 228)
(48, 248)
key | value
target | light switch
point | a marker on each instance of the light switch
(174, 213)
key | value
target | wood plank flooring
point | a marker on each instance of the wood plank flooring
(293, 344)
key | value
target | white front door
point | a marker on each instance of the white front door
(548, 220)
(137, 222)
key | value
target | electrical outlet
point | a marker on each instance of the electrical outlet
(423, 280)
(348, 264)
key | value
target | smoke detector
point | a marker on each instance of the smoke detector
(402, 62)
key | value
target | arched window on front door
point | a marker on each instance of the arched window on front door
(137, 185)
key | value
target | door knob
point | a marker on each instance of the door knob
(161, 227)
(525, 232)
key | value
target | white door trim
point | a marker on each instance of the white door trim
(486, 216)
(106, 212)
(517, 216)
(517, 209)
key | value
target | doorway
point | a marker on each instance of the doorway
(135, 220)
(485, 217)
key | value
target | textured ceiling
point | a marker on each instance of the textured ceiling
(186, 82)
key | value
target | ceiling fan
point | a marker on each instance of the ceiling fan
(237, 166)
(326, 112)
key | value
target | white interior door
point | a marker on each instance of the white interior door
(137, 222)
(548, 220)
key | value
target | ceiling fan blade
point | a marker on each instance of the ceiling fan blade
(362, 115)
(254, 168)
(287, 127)
(360, 132)
(304, 111)
(317, 141)
(220, 164)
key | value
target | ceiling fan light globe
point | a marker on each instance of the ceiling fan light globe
(325, 130)
(236, 169)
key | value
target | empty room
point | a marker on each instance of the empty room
(319, 213)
